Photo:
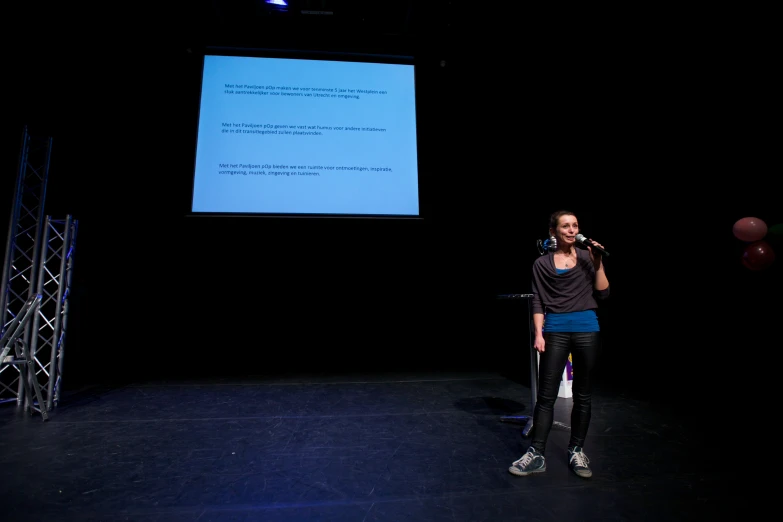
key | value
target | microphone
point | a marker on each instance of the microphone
(582, 239)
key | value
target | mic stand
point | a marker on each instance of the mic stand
(527, 420)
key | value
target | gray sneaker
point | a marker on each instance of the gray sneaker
(531, 462)
(579, 462)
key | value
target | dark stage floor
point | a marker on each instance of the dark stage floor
(380, 448)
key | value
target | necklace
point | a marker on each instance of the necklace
(567, 259)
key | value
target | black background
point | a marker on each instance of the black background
(654, 128)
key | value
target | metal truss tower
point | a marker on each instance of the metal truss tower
(50, 323)
(36, 277)
(22, 252)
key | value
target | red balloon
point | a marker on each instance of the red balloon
(750, 229)
(758, 256)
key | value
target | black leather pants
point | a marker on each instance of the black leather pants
(584, 348)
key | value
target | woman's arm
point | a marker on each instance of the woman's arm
(601, 282)
(538, 327)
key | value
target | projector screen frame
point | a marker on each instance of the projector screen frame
(289, 53)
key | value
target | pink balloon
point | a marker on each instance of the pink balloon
(758, 256)
(750, 229)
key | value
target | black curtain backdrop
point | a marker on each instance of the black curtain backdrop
(658, 145)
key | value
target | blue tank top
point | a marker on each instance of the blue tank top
(584, 321)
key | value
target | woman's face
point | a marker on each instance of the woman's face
(567, 229)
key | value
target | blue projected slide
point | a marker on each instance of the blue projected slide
(289, 136)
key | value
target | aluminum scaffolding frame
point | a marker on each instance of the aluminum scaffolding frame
(36, 283)
(21, 358)
(50, 323)
(22, 261)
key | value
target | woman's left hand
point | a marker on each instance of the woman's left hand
(595, 255)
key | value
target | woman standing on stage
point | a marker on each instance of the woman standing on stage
(566, 286)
